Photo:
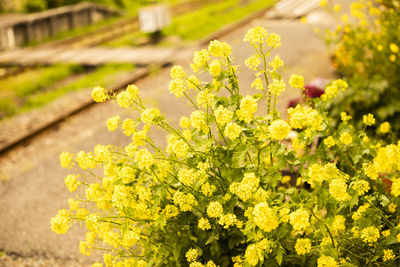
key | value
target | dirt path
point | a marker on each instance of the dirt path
(35, 190)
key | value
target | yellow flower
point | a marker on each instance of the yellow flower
(204, 224)
(370, 234)
(185, 202)
(303, 246)
(215, 68)
(278, 130)
(346, 138)
(223, 115)
(323, 3)
(256, 35)
(177, 87)
(337, 7)
(344, 117)
(274, 40)
(113, 122)
(99, 94)
(200, 59)
(299, 219)
(326, 261)
(232, 130)
(329, 141)
(177, 72)
(253, 61)
(392, 207)
(205, 98)
(395, 187)
(276, 63)
(192, 255)
(296, 81)
(265, 217)
(394, 48)
(388, 255)
(369, 119)
(392, 58)
(184, 122)
(60, 224)
(338, 190)
(71, 182)
(144, 159)
(227, 220)
(248, 106)
(215, 209)
(384, 127)
(66, 159)
(198, 119)
(219, 49)
(361, 187)
(276, 87)
(338, 225)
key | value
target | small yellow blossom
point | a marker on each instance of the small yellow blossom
(370, 234)
(384, 127)
(388, 255)
(204, 224)
(369, 119)
(278, 130)
(184, 122)
(99, 94)
(346, 138)
(296, 81)
(66, 159)
(232, 130)
(177, 72)
(276, 87)
(113, 122)
(265, 217)
(329, 141)
(192, 255)
(326, 261)
(303, 246)
(215, 209)
(219, 49)
(300, 219)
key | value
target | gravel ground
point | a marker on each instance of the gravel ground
(33, 188)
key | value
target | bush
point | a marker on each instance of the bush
(35, 5)
(217, 194)
(366, 52)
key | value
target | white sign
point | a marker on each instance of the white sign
(154, 18)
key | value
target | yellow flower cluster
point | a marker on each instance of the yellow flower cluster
(299, 219)
(232, 130)
(185, 202)
(301, 117)
(248, 106)
(256, 35)
(200, 60)
(370, 234)
(296, 81)
(369, 119)
(215, 209)
(219, 49)
(327, 261)
(361, 187)
(247, 187)
(276, 87)
(338, 189)
(333, 89)
(223, 115)
(303, 246)
(253, 61)
(265, 217)
(99, 94)
(278, 130)
(255, 252)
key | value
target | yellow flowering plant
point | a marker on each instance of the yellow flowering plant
(236, 184)
(365, 48)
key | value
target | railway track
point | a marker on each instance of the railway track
(137, 75)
